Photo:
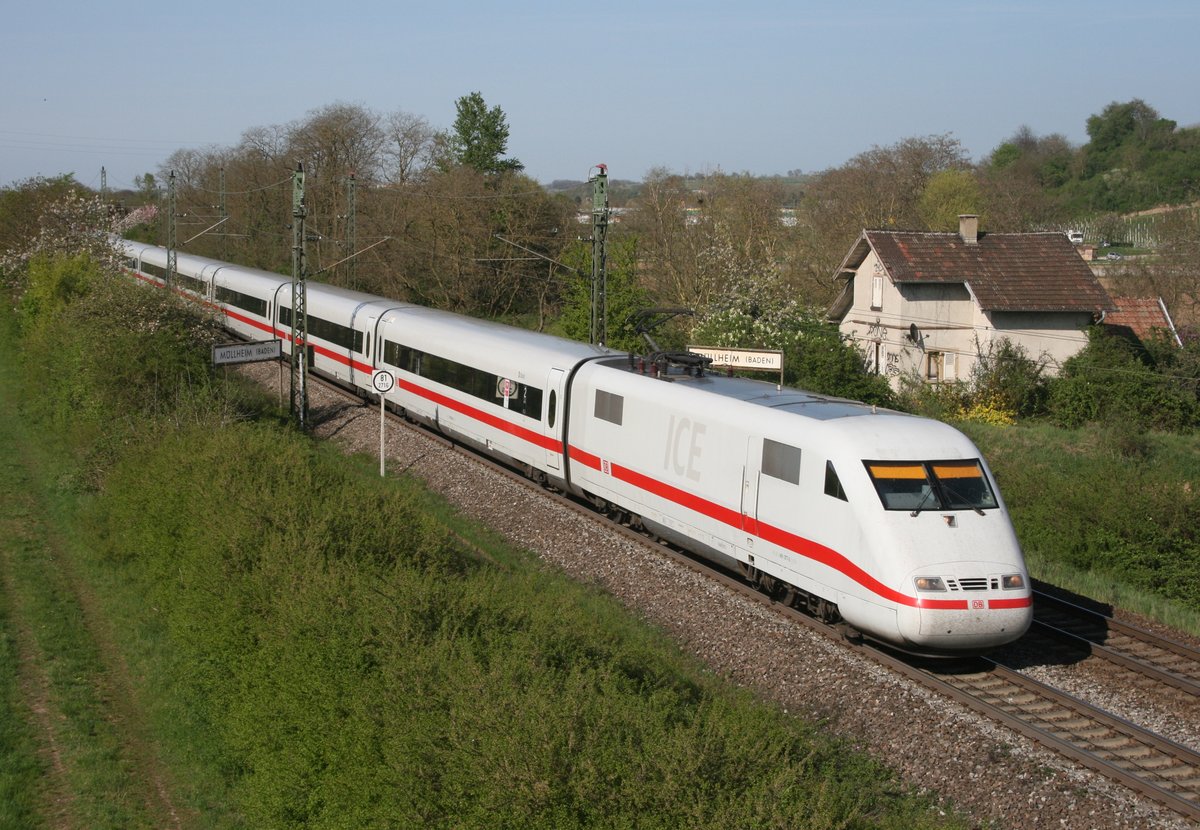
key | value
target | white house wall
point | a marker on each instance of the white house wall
(1052, 337)
(950, 326)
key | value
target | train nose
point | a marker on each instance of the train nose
(970, 605)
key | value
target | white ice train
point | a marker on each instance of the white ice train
(890, 522)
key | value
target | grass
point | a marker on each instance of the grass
(21, 767)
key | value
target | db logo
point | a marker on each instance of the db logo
(606, 467)
(977, 604)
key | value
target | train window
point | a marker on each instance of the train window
(609, 407)
(903, 486)
(154, 270)
(237, 299)
(963, 485)
(522, 398)
(190, 283)
(935, 485)
(402, 357)
(833, 484)
(781, 461)
(550, 416)
(335, 333)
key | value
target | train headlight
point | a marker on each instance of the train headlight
(1012, 582)
(930, 583)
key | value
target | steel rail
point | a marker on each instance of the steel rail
(1163, 660)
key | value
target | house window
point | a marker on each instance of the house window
(933, 371)
(877, 292)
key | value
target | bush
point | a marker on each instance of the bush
(1006, 379)
(816, 356)
(1110, 381)
(943, 401)
(115, 351)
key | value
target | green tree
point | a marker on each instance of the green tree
(624, 295)
(480, 136)
(1135, 160)
(948, 195)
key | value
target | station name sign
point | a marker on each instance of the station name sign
(247, 352)
(766, 360)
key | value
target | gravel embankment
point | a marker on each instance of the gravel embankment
(994, 775)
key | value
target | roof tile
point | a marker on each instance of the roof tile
(1141, 315)
(1005, 271)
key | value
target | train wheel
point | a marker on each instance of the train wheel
(826, 611)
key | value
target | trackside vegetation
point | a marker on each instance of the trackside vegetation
(308, 645)
(1112, 512)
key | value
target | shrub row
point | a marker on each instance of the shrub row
(1113, 380)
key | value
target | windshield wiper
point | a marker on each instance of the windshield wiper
(963, 500)
(921, 505)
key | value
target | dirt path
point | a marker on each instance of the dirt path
(17, 531)
(101, 764)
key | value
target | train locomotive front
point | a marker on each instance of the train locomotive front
(889, 521)
(936, 530)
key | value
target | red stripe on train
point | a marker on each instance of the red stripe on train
(798, 545)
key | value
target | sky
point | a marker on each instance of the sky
(752, 86)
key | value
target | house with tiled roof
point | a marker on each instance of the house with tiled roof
(929, 305)
(1143, 318)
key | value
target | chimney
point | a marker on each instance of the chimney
(968, 228)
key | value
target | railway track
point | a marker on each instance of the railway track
(1121, 751)
(1156, 659)
(1141, 760)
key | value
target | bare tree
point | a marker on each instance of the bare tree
(334, 143)
(408, 147)
(879, 188)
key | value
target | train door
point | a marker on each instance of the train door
(750, 480)
(552, 425)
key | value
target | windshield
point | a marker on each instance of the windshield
(931, 485)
